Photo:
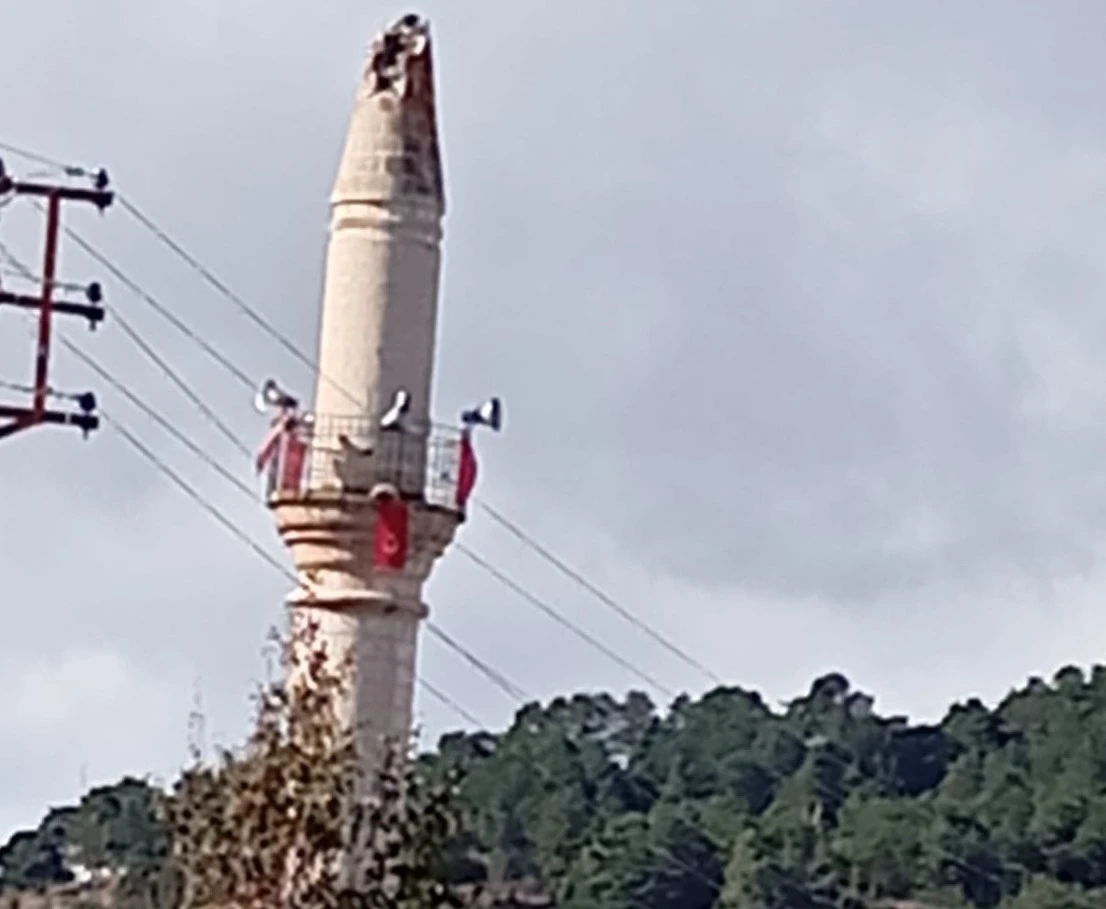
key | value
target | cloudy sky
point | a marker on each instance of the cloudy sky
(797, 309)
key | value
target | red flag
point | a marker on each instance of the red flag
(390, 540)
(270, 446)
(466, 470)
(284, 454)
(282, 426)
(292, 462)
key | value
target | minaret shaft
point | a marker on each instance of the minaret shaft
(377, 336)
(380, 315)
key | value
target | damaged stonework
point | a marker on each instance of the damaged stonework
(394, 151)
(392, 51)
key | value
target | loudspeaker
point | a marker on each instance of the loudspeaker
(393, 418)
(271, 395)
(489, 414)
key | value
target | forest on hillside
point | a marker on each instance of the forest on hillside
(722, 803)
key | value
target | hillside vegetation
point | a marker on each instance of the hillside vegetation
(723, 803)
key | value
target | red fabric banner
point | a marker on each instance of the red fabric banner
(284, 454)
(271, 444)
(466, 470)
(292, 462)
(390, 540)
(281, 428)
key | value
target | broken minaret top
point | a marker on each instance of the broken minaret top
(392, 154)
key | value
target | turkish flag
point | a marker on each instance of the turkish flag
(284, 454)
(292, 463)
(466, 470)
(390, 540)
(271, 445)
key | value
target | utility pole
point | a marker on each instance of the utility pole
(53, 194)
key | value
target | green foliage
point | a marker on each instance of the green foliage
(1046, 893)
(31, 860)
(659, 861)
(287, 821)
(112, 827)
(716, 803)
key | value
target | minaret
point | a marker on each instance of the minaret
(370, 508)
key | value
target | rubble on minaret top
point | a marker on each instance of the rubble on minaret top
(392, 52)
(392, 152)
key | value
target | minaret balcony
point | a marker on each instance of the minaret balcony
(323, 458)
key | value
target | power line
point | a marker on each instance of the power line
(28, 389)
(509, 687)
(501, 681)
(186, 389)
(596, 591)
(179, 324)
(17, 266)
(495, 514)
(561, 620)
(444, 698)
(153, 414)
(15, 386)
(189, 490)
(297, 352)
(288, 345)
(36, 158)
(238, 484)
(218, 467)
(513, 690)
(252, 314)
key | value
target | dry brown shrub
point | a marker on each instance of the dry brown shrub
(286, 822)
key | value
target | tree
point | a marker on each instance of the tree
(288, 822)
(743, 886)
(30, 861)
(880, 843)
(613, 804)
(649, 862)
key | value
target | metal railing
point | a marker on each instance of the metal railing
(325, 456)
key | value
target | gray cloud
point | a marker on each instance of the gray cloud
(796, 309)
(835, 314)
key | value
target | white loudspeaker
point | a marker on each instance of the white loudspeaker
(489, 414)
(393, 419)
(271, 395)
